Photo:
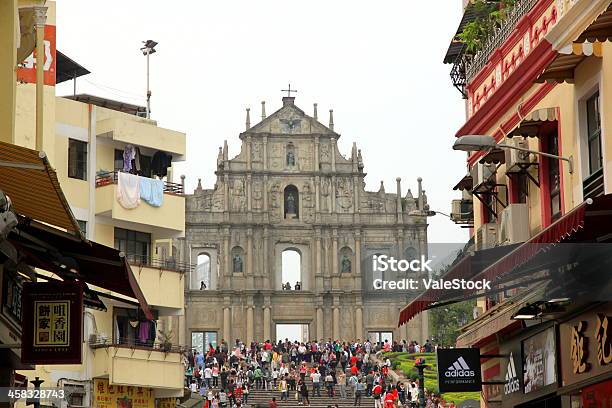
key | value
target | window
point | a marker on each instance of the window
(77, 159)
(380, 337)
(291, 270)
(594, 133)
(202, 271)
(132, 328)
(292, 202)
(554, 177)
(135, 244)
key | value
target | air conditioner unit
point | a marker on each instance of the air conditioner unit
(481, 172)
(486, 236)
(516, 158)
(462, 211)
(514, 226)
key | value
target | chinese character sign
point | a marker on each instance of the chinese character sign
(53, 320)
(121, 396)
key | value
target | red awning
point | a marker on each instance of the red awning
(588, 222)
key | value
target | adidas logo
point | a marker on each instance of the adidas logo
(512, 381)
(459, 369)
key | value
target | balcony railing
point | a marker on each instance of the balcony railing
(96, 342)
(467, 66)
(160, 263)
(110, 177)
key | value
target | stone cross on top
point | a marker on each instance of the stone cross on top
(289, 90)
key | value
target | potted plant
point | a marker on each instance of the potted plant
(165, 340)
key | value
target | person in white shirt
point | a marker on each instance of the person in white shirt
(208, 376)
(193, 386)
(316, 383)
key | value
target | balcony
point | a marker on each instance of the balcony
(168, 219)
(126, 363)
(467, 65)
(130, 129)
(161, 282)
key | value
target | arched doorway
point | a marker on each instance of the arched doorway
(203, 279)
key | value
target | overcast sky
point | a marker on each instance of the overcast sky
(377, 64)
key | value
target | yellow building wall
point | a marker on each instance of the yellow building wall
(105, 234)
(25, 119)
(161, 288)
(9, 24)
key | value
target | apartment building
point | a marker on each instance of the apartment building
(114, 166)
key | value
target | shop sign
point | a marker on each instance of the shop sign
(166, 403)
(513, 383)
(598, 395)
(459, 370)
(586, 346)
(53, 321)
(27, 72)
(121, 396)
(539, 361)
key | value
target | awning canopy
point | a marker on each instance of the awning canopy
(494, 156)
(467, 267)
(587, 223)
(561, 69)
(587, 44)
(466, 183)
(68, 69)
(532, 124)
(31, 183)
(74, 258)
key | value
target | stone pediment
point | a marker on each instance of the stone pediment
(290, 120)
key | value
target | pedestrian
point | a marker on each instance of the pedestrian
(359, 388)
(304, 394)
(342, 384)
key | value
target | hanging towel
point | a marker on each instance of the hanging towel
(152, 191)
(128, 155)
(128, 190)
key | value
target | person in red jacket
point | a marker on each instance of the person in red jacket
(272, 403)
(354, 370)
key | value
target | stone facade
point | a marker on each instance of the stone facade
(291, 189)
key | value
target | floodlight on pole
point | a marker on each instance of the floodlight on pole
(477, 143)
(147, 50)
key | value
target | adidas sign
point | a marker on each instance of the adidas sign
(512, 381)
(459, 369)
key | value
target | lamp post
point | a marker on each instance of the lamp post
(36, 382)
(471, 143)
(420, 365)
(147, 50)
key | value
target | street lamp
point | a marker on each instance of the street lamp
(471, 143)
(148, 49)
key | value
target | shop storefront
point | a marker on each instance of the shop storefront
(585, 345)
(529, 368)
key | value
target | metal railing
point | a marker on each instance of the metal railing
(467, 66)
(110, 177)
(96, 342)
(160, 263)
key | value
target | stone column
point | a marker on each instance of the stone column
(320, 334)
(359, 322)
(357, 268)
(266, 266)
(250, 335)
(249, 192)
(334, 257)
(265, 152)
(265, 193)
(317, 194)
(267, 321)
(336, 319)
(249, 252)
(227, 325)
(317, 248)
(226, 267)
(226, 191)
(316, 154)
(248, 152)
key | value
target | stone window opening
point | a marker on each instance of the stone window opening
(290, 156)
(237, 260)
(203, 272)
(291, 270)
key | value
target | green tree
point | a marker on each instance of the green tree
(445, 321)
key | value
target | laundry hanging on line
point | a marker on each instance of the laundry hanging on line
(152, 191)
(128, 190)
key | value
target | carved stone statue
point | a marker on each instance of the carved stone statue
(290, 158)
(291, 203)
(237, 263)
(346, 264)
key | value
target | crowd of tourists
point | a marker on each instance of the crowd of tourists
(293, 372)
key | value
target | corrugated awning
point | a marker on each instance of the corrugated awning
(531, 125)
(494, 156)
(468, 266)
(31, 183)
(587, 44)
(466, 183)
(71, 257)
